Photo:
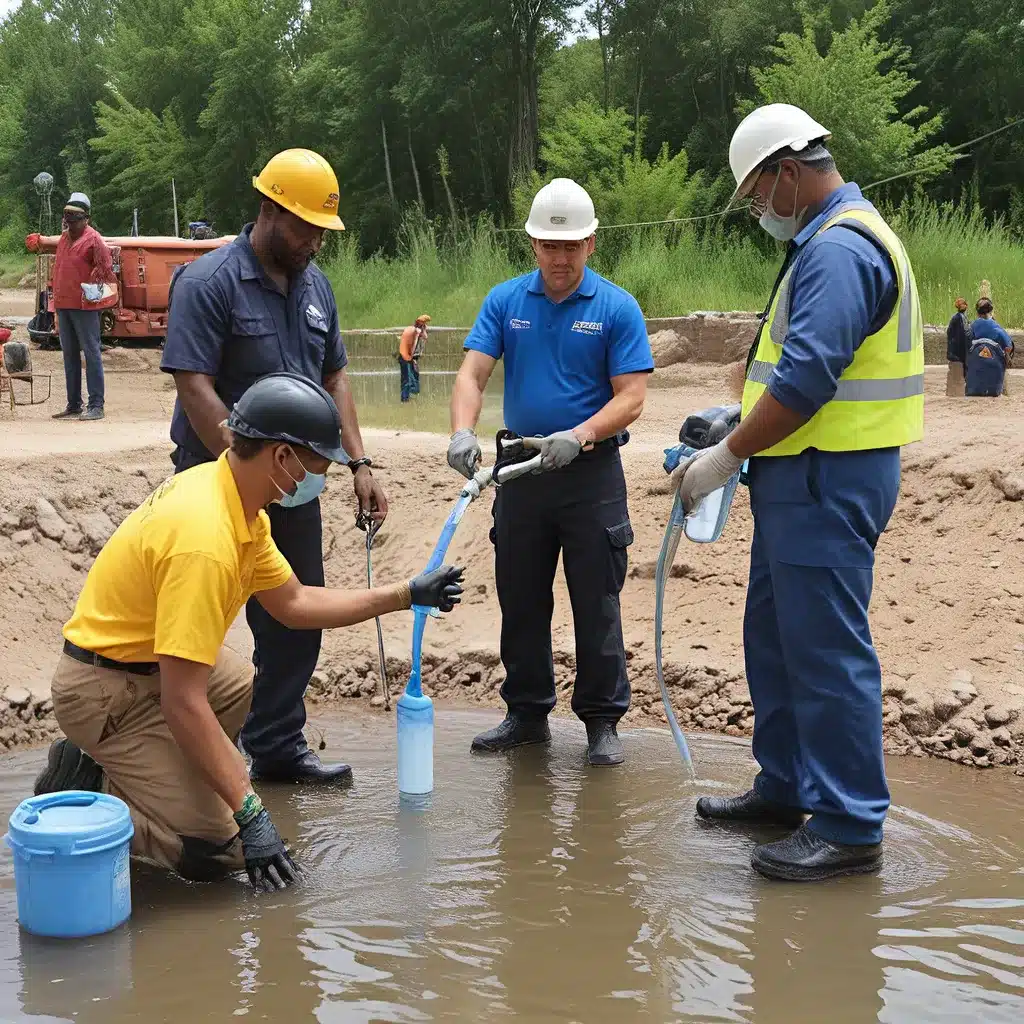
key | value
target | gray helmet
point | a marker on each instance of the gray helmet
(288, 407)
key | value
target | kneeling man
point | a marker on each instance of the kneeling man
(148, 696)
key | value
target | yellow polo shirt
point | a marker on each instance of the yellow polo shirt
(176, 572)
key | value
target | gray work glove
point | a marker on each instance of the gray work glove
(464, 452)
(267, 860)
(438, 588)
(559, 449)
(703, 473)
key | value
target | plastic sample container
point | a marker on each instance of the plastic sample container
(705, 523)
(71, 870)
(415, 716)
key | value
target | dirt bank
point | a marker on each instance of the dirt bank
(947, 615)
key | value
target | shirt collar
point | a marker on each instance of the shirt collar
(848, 193)
(586, 290)
(250, 268)
(229, 486)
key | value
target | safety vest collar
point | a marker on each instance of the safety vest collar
(779, 327)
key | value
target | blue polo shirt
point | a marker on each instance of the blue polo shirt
(844, 289)
(228, 320)
(560, 356)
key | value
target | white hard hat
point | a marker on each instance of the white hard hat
(78, 201)
(562, 211)
(765, 131)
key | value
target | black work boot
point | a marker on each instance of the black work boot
(807, 857)
(748, 809)
(306, 767)
(514, 731)
(603, 744)
(67, 767)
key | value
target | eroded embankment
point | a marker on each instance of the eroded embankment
(947, 612)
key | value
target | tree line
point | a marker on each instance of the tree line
(457, 109)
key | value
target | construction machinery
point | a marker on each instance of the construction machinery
(143, 267)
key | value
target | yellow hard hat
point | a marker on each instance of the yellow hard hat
(303, 183)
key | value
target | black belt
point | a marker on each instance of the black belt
(135, 668)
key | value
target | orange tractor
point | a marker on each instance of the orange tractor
(137, 308)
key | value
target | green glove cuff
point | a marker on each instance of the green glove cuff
(251, 806)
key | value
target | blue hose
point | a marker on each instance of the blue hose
(415, 685)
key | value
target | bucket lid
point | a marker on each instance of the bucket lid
(70, 822)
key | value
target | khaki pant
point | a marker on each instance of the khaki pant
(116, 718)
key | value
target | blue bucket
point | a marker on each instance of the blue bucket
(71, 863)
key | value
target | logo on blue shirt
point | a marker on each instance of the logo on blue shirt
(316, 318)
(518, 325)
(588, 326)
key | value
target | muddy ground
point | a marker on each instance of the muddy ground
(947, 614)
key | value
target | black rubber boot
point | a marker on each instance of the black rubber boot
(308, 768)
(603, 744)
(807, 857)
(67, 767)
(749, 809)
(514, 731)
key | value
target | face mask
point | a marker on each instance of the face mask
(782, 229)
(309, 487)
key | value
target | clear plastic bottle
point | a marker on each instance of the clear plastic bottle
(705, 523)
(415, 716)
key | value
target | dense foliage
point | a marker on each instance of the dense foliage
(459, 107)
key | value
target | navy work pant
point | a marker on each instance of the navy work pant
(581, 512)
(284, 658)
(814, 677)
(410, 377)
(79, 331)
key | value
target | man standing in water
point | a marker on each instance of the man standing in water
(257, 306)
(834, 386)
(146, 692)
(576, 363)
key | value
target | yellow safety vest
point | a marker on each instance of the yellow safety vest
(879, 401)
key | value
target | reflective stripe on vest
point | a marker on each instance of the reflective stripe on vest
(879, 399)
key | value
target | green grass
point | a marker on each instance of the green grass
(952, 250)
(14, 267)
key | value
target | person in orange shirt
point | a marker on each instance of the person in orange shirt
(414, 340)
(149, 697)
(82, 258)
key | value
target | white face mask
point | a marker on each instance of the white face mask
(782, 229)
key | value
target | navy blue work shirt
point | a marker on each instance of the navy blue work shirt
(987, 328)
(228, 320)
(560, 356)
(844, 289)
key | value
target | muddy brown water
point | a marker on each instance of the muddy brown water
(537, 888)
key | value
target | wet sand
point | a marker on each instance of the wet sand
(539, 889)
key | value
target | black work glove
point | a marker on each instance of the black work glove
(438, 588)
(267, 860)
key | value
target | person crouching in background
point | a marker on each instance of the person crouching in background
(958, 341)
(990, 353)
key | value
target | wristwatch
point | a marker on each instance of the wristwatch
(356, 464)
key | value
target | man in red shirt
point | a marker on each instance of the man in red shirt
(82, 258)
